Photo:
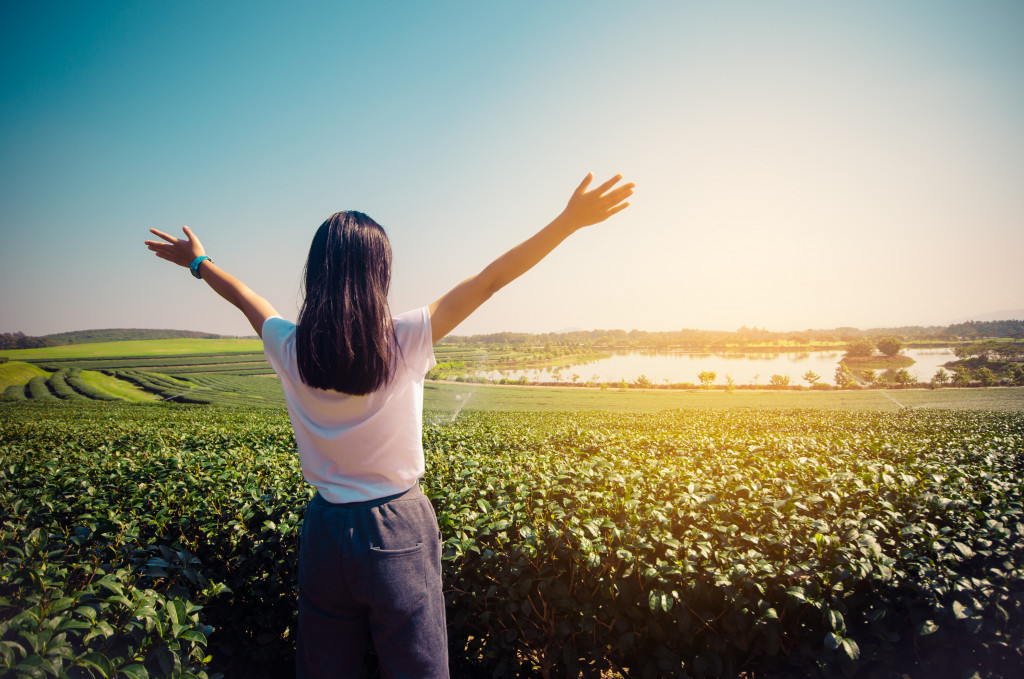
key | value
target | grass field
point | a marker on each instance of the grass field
(115, 387)
(137, 348)
(449, 397)
(18, 372)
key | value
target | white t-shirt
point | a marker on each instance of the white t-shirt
(357, 448)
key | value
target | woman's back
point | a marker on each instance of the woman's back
(358, 447)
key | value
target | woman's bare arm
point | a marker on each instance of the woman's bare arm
(584, 209)
(183, 251)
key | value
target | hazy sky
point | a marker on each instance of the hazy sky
(798, 164)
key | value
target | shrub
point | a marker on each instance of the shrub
(903, 378)
(59, 386)
(14, 392)
(890, 346)
(757, 543)
(779, 381)
(87, 390)
(860, 348)
(37, 390)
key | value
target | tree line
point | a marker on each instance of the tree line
(702, 339)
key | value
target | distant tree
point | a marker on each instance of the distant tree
(843, 377)
(811, 377)
(707, 378)
(756, 376)
(730, 384)
(1009, 350)
(575, 378)
(890, 346)
(985, 376)
(940, 378)
(904, 378)
(963, 352)
(644, 382)
(961, 377)
(860, 347)
(779, 381)
(623, 385)
(869, 376)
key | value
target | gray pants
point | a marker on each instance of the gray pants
(371, 570)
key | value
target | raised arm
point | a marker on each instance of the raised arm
(584, 209)
(184, 251)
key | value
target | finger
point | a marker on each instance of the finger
(618, 208)
(188, 232)
(582, 188)
(166, 237)
(608, 184)
(620, 193)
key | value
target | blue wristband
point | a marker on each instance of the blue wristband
(194, 266)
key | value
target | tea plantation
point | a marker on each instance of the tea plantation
(161, 540)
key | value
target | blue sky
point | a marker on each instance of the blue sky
(798, 164)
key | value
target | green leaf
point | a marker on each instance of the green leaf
(134, 671)
(659, 601)
(193, 635)
(98, 661)
(851, 648)
(964, 550)
(927, 627)
(176, 611)
(833, 641)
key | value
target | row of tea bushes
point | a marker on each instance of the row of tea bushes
(167, 387)
(681, 544)
(65, 384)
(713, 544)
(64, 617)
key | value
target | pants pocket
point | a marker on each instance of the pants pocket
(397, 578)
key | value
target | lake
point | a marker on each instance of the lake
(753, 368)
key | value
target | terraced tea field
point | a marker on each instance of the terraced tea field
(161, 540)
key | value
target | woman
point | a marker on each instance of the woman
(370, 553)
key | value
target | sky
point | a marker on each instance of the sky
(798, 164)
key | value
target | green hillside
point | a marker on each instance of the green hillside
(126, 335)
(18, 372)
(119, 349)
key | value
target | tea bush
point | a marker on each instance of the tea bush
(59, 386)
(37, 389)
(14, 392)
(701, 544)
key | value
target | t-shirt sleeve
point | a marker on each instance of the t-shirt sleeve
(414, 337)
(275, 330)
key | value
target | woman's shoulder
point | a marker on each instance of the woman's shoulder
(412, 318)
(276, 329)
(412, 331)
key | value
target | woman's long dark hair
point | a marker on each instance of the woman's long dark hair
(344, 339)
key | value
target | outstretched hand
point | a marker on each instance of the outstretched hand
(586, 208)
(177, 250)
